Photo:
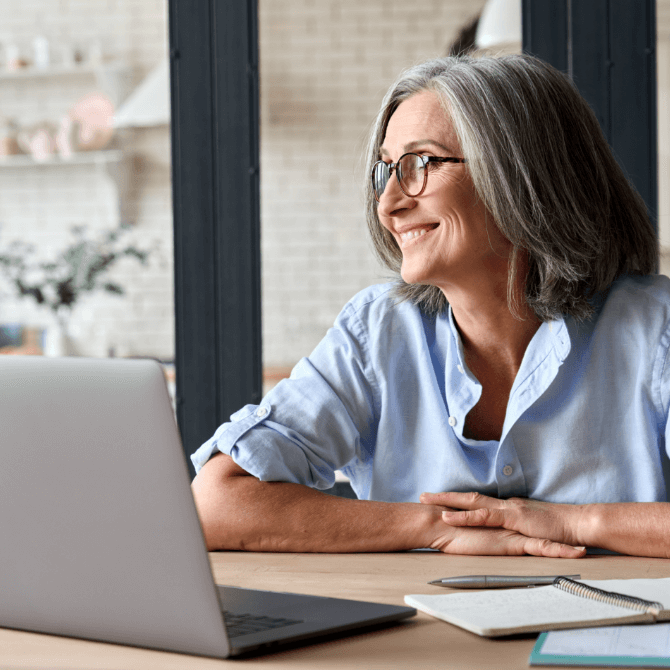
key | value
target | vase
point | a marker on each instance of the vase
(57, 341)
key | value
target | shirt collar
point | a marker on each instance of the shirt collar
(551, 334)
(457, 338)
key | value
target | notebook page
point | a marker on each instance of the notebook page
(632, 641)
(500, 612)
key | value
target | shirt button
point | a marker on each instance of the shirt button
(508, 470)
(452, 420)
(460, 369)
(261, 411)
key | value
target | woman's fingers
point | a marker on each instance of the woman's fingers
(539, 547)
(532, 518)
(492, 518)
(467, 501)
(470, 509)
(498, 542)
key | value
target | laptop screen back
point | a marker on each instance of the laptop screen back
(100, 536)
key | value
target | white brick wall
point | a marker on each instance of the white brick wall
(40, 204)
(325, 66)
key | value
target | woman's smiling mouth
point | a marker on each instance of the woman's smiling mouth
(410, 235)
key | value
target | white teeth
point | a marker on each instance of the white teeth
(410, 235)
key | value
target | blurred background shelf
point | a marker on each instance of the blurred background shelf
(75, 70)
(81, 158)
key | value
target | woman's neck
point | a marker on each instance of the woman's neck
(492, 335)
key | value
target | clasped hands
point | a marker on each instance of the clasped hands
(478, 524)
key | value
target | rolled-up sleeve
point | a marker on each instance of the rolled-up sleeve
(312, 424)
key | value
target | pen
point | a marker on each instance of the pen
(497, 581)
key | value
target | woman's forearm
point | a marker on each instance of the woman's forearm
(239, 512)
(639, 529)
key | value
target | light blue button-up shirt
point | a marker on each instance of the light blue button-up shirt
(385, 395)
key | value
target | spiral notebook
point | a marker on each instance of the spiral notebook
(566, 603)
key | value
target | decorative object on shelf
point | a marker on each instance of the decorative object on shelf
(13, 60)
(44, 55)
(41, 53)
(87, 127)
(38, 140)
(9, 132)
(94, 116)
(78, 55)
(58, 284)
(69, 55)
(67, 137)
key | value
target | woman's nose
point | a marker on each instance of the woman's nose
(393, 200)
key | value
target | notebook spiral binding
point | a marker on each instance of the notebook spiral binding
(609, 597)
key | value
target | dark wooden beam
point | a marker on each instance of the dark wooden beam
(215, 129)
(608, 47)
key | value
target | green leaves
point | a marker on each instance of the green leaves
(78, 269)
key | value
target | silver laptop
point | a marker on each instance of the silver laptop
(99, 535)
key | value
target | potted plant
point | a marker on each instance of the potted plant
(80, 268)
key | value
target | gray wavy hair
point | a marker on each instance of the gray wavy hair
(544, 171)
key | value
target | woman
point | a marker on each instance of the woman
(520, 354)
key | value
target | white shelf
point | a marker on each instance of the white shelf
(60, 71)
(80, 158)
(113, 78)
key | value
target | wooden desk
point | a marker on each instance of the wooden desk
(421, 642)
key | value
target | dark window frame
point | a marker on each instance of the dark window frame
(216, 202)
(608, 47)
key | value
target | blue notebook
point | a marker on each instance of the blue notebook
(645, 646)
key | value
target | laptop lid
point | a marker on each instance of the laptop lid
(100, 535)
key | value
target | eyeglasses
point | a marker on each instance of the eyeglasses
(411, 171)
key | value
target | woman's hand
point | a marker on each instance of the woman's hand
(546, 528)
(500, 542)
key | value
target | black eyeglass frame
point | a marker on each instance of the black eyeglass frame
(394, 166)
